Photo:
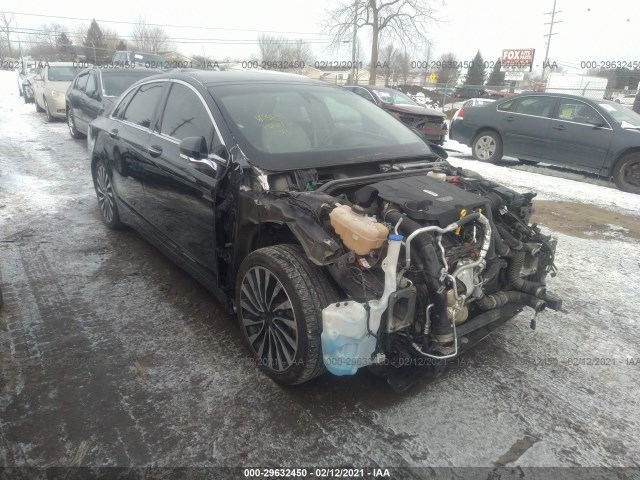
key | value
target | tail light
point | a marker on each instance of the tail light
(461, 113)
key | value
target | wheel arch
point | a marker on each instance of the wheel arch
(481, 130)
(620, 156)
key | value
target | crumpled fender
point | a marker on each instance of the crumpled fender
(319, 245)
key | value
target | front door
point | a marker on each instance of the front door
(579, 136)
(180, 194)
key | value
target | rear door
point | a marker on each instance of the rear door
(91, 102)
(76, 95)
(179, 193)
(136, 116)
(525, 126)
(579, 135)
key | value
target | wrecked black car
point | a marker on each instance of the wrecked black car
(338, 237)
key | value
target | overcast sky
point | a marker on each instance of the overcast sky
(591, 30)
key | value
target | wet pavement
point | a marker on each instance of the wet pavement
(112, 356)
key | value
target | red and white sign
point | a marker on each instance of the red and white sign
(517, 60)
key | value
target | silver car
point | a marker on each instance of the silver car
(50, 87)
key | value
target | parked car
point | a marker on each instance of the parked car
(144, 59)
(472, 102)
(598, 136)
(26, 81)
(281, 194)
(636, 103)
(50, 87)
(26, 68)
(93, 92)
(430, 122)
(469, 92)
(626, 99)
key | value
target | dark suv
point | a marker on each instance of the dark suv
(333, 232)
(93, 92)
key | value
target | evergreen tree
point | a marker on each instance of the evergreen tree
(496, 78)
(95, 44)
(64, 48)
(121, 45)
(476, 74)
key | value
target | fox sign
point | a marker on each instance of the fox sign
(520, 60)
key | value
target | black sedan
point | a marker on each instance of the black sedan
(93, 92)
(281, 195)
(597, 136)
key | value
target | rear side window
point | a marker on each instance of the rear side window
(535, 106)
(185, 115)
(91, 84)
(141, 108)
(117, 112)
(506, 106)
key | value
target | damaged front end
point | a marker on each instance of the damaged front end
(429, 258)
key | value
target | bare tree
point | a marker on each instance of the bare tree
(151, 39)
(280, 53)
(6, 19)
(44, 43)
(401, 21)
(388, 56)
(449, 68)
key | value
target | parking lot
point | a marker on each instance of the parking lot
(112, 356)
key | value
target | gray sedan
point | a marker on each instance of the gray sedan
(593, 135)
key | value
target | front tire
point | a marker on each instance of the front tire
(39, 109)
(46, 109)
(487, 147)
(279, 299)
(106, 196)
(626, 173)
(71, 123)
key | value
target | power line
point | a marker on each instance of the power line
(163, 25)
(550, 34)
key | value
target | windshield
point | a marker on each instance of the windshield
(63, 74)
(114, 83)
(290, 126)
(394, 97)
(147, 58)
(623, 116)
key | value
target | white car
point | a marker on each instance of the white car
(626, 99)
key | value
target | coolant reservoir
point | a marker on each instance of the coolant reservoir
(358, 233)
(437, 175)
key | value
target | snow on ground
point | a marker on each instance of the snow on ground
(550, 186)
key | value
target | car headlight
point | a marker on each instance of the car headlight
(56, 94)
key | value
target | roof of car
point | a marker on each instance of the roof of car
(208, 78)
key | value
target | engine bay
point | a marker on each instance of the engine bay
(430, 254)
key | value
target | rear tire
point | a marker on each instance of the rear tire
(279, 298)
(106, 196)
(487, 147)
(626, 173)
(73, 131)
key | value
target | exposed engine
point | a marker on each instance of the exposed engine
(433, 259)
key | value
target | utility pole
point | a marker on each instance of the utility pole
(353, 42)
(551, 24)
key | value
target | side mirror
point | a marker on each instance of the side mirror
(596, 123)
(193, 148)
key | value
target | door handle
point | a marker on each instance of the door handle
(114, 133)
(559, 127)
(154, 150)
(510, 118)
